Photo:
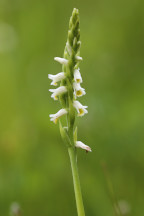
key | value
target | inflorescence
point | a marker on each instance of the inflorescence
(70, 80)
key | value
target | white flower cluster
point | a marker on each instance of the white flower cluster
(78, 91)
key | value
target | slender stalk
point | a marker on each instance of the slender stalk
(76, 182)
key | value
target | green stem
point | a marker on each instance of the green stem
(76, 182)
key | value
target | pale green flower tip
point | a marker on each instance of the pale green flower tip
(75, 16)
(75, 11)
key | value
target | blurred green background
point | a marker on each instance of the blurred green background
(34, 164)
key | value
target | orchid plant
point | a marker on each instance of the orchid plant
(70, 89)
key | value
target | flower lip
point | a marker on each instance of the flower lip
(56, 116)
(79, 144)
(79, 93)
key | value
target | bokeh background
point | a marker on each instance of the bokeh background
(34, 164)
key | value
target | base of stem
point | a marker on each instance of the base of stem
(76, 182)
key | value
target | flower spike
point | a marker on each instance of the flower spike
(70, 79)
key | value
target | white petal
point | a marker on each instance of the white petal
(50, 76)
(78, 58)
(61, 60)
(52, 90)
(79, 144)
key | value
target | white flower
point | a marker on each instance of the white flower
(56, 92)
(56, 116)
(78, 58)
(78, 90)
(61, 60)
(56, 78)
(77, 76)
(79, 144)
(80, 108)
